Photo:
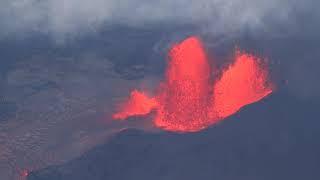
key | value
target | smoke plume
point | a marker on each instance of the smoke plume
(214, 16)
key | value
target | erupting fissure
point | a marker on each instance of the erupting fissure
(188, 100)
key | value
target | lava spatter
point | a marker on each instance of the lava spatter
(137, 105)
(183, 102)
(243, 82)
(188, 101)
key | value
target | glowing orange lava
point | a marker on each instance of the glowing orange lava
(187, 101)
(138, 104)
(244, 82)
(183, 98)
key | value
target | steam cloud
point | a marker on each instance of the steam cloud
(216, 16)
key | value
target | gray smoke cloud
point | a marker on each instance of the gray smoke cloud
(215, 16)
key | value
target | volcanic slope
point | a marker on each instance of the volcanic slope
(276, 138)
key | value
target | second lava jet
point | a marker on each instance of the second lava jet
(189, 99)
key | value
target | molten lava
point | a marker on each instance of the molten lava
(242, 83)
(188, 100)
(137, 105)
(183, 102)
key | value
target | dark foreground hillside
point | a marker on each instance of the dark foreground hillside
(277, 138)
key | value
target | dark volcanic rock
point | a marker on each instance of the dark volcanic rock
(276, 138)
(7, 109)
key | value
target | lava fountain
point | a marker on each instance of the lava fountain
(243, 82)
(188, 100)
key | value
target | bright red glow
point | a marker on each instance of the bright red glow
(138, 104)
(23, 174)
(188, 100)
(244, 82)
(183, 98)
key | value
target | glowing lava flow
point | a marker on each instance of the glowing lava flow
(187, 101)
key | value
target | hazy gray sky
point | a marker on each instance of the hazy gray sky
(216, 16)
